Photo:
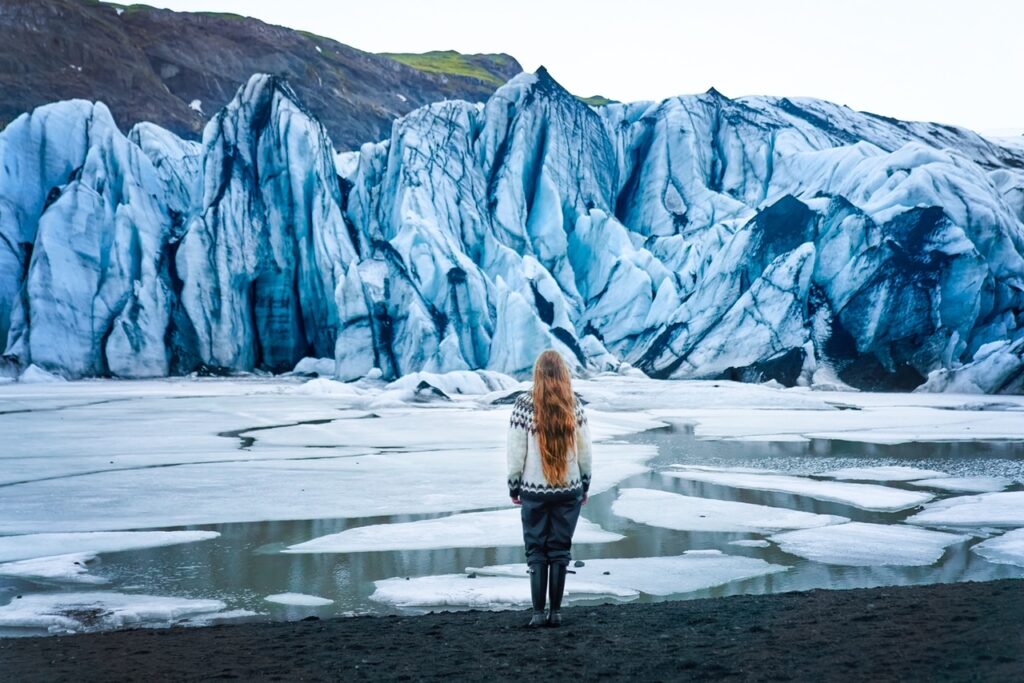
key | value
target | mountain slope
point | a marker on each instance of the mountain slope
(177, 69)
(757, 238)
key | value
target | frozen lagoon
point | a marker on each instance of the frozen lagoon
(263, 465)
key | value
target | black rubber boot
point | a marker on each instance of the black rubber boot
(556, 586)
(538, 591)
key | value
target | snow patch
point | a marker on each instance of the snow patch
(988, 509)
(298, 600)
(689, 513)
(30, 546)
(469, 530)
(1005, 549)
(859, 544)
(70, 568)
(100, 611)
(883, 473)
(865, 496)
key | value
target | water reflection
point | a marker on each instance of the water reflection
(244, 564)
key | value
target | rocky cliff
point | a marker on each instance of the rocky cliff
(178, 69)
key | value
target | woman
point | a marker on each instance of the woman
(549, 475)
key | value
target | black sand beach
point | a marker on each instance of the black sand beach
(958, 632)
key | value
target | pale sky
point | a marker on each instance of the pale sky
(950, 61)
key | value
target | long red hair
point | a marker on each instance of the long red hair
(554, 407)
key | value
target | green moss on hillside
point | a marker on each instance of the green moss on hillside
(595, 100)
(451, 63)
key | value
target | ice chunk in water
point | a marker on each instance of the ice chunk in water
(751, 543)
(44, 545)
(469, 530)
(883, 473)
(691, 571)
(860, 544)
(298, 600)
(987, 509)
(965, 484)
(98, 611)
(72, 568)
(1005, 549)
(458, 590)
(866, 496)
(690, 513)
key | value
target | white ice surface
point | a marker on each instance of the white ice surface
(70, 568)
(865, 496)
(861, 544)
(966, 484)
(690, 513)
(467, 530)
(751, 543)
(1005, 549)
(883, 473)
(1005, 509)
(71, 450)
(42, 545)
(63, 612)
(387, 483)
(298, 600)
(458, 590)
(692, 571)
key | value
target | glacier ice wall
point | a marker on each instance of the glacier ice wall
(754, 238)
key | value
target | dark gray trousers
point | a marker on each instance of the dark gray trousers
(547, 529)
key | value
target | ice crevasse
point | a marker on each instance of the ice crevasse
(754, 238)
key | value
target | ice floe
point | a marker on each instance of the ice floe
(1005, 549)
(861, 544)
(966, 484)
(70, 568)
(690, 513)
(489, 529)
(883, 473)
(692, 571)
(91, 543)
(1005, 509)
(865, 496)
(459, 590)
(99, 611)
(298, 600)
(622, 578)
(751, 543)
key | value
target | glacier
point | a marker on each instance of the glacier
(752, 239)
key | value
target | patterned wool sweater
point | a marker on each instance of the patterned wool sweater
(525, 474)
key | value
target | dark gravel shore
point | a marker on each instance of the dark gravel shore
(965, 631)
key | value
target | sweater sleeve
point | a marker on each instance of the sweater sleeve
(515, 448)
(584, 453)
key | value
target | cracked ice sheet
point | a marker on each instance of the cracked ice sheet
(70, 568)
(41, 545)
(99, 429)
(469, 530)
(860, 544)
(436, 427)
(883, 473)
(692, 571)
(689, 513)
(1004, 509)
(458, 590)
(380, 484)
(1005, 549)
(864, 496)
(61, 612)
